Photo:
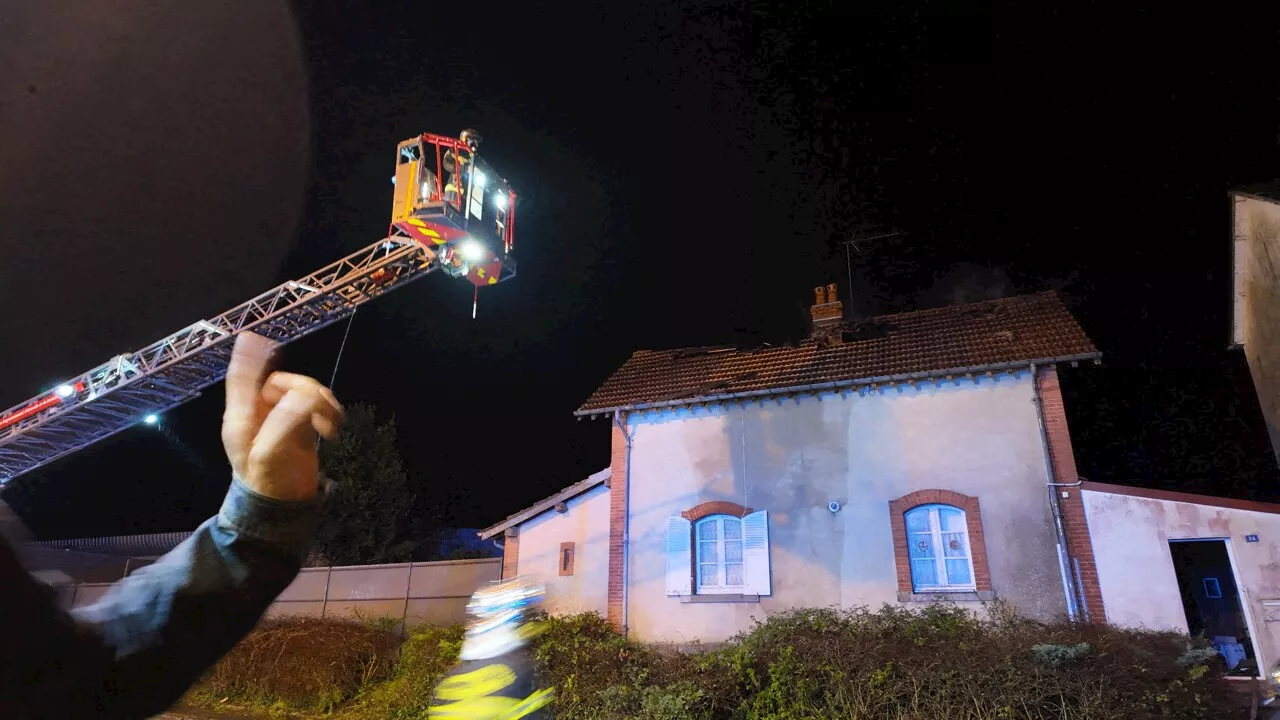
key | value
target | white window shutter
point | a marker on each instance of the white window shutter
(679, 556)
(755, 553)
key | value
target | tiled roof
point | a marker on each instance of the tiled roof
(120, 545)
(1269, 191)
(962, 338)
(547, 503)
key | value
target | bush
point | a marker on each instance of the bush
(301, 664)
(583, 657)
(426, 655)
(937, 661)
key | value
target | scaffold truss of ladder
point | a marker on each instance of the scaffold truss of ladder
(131, 387)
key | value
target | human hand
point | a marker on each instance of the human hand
(271, 421)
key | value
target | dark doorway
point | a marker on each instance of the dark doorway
(1212, 601)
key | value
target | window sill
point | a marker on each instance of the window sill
(970, 596)
(719, 598)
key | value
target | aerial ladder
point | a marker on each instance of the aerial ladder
(450, 212)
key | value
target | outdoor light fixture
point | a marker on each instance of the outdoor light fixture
(65, 391)
(151, 419)
(480, 179)
(472, 251)
(500, 201)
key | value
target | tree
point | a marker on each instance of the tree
(372, 516)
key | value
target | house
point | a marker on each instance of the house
(1255, 321)
(898, 460)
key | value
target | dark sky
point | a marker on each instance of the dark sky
(686, 171)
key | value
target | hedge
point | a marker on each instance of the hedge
(935, 662)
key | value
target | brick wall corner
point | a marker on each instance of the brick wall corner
(617, 521)
(1062, 458)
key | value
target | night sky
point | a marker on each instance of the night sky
(687, 173)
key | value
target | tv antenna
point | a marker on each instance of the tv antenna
(852, 245)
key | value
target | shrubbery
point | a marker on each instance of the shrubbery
(936, 662)
(301, 664)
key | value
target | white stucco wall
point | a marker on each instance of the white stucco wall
(1256, 316)
(586, 524)
(1135, 568)
(792, 457)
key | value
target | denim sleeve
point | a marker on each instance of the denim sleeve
(137, 650)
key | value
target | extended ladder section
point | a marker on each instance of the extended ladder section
(134, 387)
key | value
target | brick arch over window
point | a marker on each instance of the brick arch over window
(715, 507)
(973, 521)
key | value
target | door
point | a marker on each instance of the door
(1211, 601)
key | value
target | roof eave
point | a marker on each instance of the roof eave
(546, 504)
(837, 384)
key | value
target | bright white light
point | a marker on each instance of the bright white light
(151, 419)
(480, 179)
(500, 201)
(472, 251)
(66, 391)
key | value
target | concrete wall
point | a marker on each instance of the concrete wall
(1256, 324)
(431, 592)
(1135, 568)
(791, 457)
(585, 524)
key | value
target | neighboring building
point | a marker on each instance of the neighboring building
(898, 460)
(466, 542)
(1255, 325)
(563, 541)
(95, 560)
(1189, 563)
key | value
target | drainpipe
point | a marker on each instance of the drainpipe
(626, 523)
(1064, 556)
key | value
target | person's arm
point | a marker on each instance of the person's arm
(135, 652)
(138, 649)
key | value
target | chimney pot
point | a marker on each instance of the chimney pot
(827, 310)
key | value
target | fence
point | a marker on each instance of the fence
(426, 592)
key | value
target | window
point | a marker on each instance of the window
(566, 558)
(938, 545)
(409, 153)
(719, 555)
(712, 553)
(1212, 588)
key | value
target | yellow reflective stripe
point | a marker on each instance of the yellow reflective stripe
(473, 696)
(485, 681)
(482, 708)
(493, 708)
(533, 703)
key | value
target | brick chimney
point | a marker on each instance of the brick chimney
(827, 312)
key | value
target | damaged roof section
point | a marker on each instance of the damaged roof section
(988, 335)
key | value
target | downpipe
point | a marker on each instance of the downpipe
(1055, 505)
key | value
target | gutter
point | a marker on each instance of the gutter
(838, 384)
(1064, 555)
